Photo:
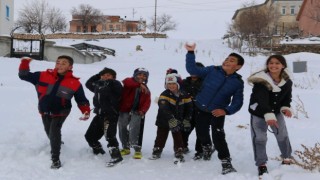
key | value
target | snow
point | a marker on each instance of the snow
(25, 149)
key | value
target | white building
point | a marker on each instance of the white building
(6, 16)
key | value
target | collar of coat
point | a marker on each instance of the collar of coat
(265, 79)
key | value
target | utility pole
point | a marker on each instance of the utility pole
(133, 13)
(155, 20)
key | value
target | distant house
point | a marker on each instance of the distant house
(109, 24)
(286, 9)
(309, 18)
(6, 16)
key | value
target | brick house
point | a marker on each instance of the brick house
(309, 18)
(287, 11)
(6, 16)
(109, 24)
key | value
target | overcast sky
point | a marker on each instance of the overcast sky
(197, 19)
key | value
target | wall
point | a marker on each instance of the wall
(52, 51)
(307, 25)
(6, 24)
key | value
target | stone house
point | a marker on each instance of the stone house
(6, 16)
(286, 11)
(109, 24)
(309, 18)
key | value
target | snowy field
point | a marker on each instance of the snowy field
(25, 150)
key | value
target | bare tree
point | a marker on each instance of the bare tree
(164, 23)
(56, 22)
(88, 15)
(253, 24)
(38, 16)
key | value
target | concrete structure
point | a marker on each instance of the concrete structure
(287, 11)
(51, 52)
(309, 18)
(6, 16)
(109, 24)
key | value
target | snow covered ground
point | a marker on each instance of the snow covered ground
(25, 151)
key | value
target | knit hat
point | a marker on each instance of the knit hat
(171, 71)
(143, 71)
(108, 71)
(172, 78)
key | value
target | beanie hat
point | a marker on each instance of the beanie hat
(172, 78)
(141, 71)
(108, 71)
(171, 71)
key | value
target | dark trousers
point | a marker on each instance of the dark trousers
(102, 125)
(52, 126)
(185, 136)
(204, 121)
(162, 136)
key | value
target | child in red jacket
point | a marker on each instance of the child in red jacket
(135, 102)
(56, 87)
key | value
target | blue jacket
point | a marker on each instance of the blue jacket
(218, 90)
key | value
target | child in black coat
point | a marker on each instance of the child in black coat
(107, 93)
(174, 114)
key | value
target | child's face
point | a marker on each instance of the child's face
(274, 66)
(173, 87)
(230, 64)
(63, 66)
(141, 77)
(106, 76)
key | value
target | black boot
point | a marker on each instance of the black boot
(97, 149)
(178, 156)
(207, 152)
(156, 153)
(197, 156)
(227, 166)
(115, 156)
(262, 170)
(56, 164)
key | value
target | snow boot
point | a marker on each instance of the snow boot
(125, 151)
(287, 161)
(178, 156)
(56, 164)
(137, 153)
(98, 149)
(115, 156)
(156, 153)
(207, 152)
(227, 166)
(197, 156)
(262, 170)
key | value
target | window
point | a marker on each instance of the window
(7, 12)
(78, 29)
(292, 10)
(283, 11)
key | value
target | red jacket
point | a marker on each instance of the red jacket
(130, 86)
(54, 91)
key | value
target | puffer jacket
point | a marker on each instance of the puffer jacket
(54, 91)
(107, 94)
(218, 90)
(130, 86)
(171, 106)
(267, 97)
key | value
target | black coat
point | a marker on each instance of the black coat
(192, 87)
(171, 106)
(265, 99)
(107, 94)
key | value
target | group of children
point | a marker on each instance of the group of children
(200, 102)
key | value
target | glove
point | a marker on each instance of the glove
(186, 125)
(174, 125)
(85, 116)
